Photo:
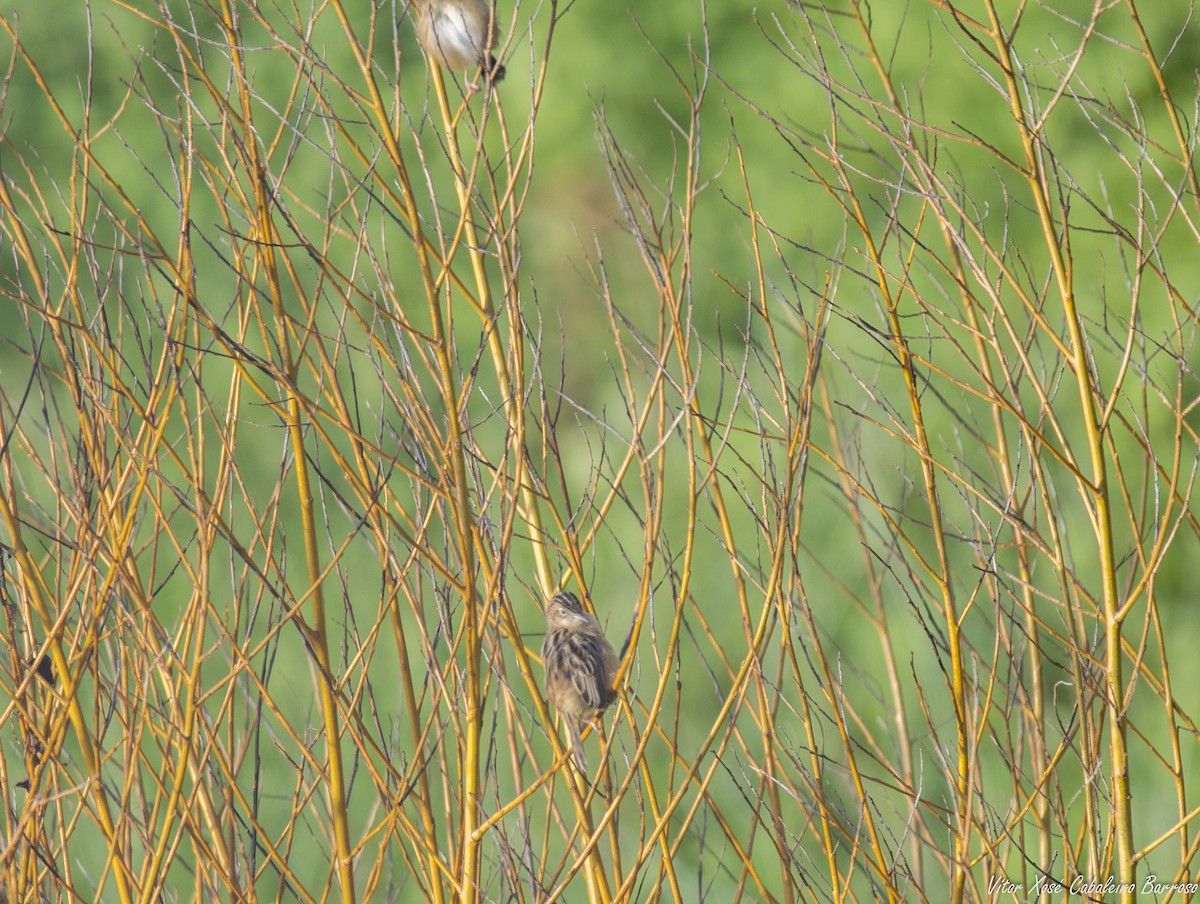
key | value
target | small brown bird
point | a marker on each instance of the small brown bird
(460, 34)
(581, 666)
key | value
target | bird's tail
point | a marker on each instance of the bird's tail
(495, 72)
(577, 746)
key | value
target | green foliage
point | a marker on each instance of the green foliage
(842, 356)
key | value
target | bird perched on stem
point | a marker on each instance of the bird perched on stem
(581, 666)
(460, 34)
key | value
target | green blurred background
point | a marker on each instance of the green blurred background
(621, 64)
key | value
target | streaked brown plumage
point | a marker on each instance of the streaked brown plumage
(459, 34)
(581, 666)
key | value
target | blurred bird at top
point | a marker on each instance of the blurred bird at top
(460, 34)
